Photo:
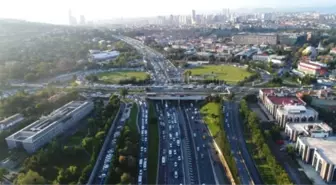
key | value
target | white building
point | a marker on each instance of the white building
(320, 153)
(310, 129)
(295, 113)
(42, 131)
(11, 121)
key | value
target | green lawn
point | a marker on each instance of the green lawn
(132, 121)
(115, 77)
(153, 145)
(211, 112)
(228, 73)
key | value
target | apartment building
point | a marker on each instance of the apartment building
(320, 153)
(258, 39)
(42, 131)
(312, 68)
(308, 129)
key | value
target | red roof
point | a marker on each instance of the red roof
(285, 100)
(267, 91)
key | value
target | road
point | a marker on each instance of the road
(109, 143)
(143, 118)
(246, 168)
(205, 163)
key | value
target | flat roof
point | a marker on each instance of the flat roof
(304, 126)
(326, 147)
(105, 55)
(42, 124)
(285, 100)
(10, 119)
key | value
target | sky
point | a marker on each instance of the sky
(56, 11)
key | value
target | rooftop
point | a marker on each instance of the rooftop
(326, 147)
(11, 119)
(105, 55)
(45, 122)
(310, 127)
(285, 100)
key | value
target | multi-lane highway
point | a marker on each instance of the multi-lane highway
(143, 126)
(200, 139)
(246, 169)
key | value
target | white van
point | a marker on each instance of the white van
(140, 163)
(163, 160)
(178, 142)
(170, 153)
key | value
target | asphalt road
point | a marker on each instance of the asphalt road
(143, 159)
(246, 168)
(202, 143)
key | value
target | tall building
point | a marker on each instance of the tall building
(72, 19)
(82, 20)
(193, 17)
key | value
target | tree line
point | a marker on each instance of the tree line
(261, 151)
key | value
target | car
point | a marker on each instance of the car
(202, 155)
(170, 145)
(175, 152)
(175, 164)
(145, 139)
(170, 153)
(203, 145)
(145, 149)
(198, 149)
(179, 158)
(178, 142)
(141, 149)
(175, 174)
(194, 134)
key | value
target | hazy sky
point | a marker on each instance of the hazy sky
(56, 11)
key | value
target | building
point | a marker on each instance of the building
(258, 39)
(42, 131)
(312, 68)
(263, 58)
(193, 17)
(320, 153)
(288, 113)
(308, 129)
(82, 20)
(323, 98)
(286, 107)
(11, 121)
(104, 56)
(333, 51)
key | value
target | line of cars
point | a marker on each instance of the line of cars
(142, 177)
(110, 152)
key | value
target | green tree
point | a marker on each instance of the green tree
(3, 172)
(123, 92)
(31, 177)
(125, 178)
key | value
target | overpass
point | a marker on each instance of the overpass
(178, 98)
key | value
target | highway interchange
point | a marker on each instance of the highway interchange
(186, 151)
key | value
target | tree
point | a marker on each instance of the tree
(3, 172)
(123, 92)
(31, 177)
(125, 178)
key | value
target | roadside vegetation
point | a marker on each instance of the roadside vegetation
(124, 168)
(212, 114)
(270, 170)
(153, 144)
(70, 160)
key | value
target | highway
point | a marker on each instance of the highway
(100, 170)
(143, 120)
(201, 145)
(247, 171)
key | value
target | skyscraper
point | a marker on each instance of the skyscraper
(193, 16)
(72, 19)
(82, 20)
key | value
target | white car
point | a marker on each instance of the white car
(175, 164)
(175, 174)
(179, 158)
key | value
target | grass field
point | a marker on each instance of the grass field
(115, 77)
(132, 121)
(210, 113)
(153, 145)
(228, 73)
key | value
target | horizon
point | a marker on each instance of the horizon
(56, 12)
